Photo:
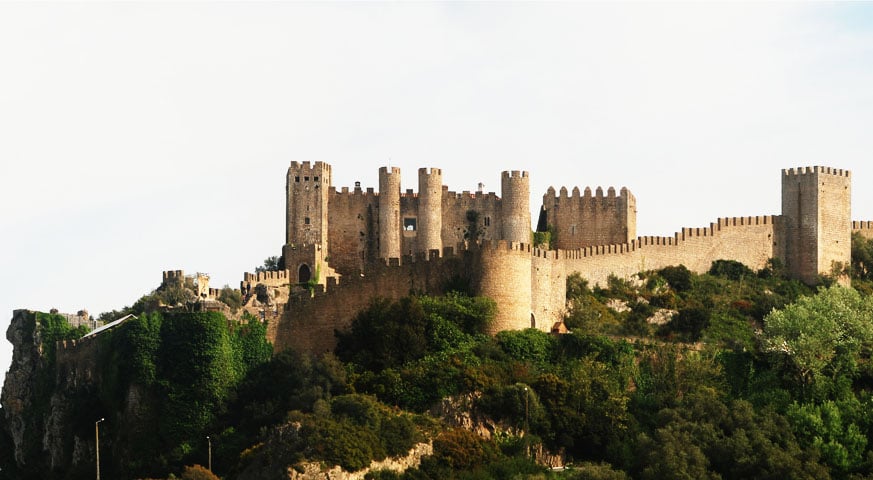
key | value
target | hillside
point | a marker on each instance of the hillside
(729, 374)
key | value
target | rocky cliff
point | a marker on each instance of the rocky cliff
(43, 397)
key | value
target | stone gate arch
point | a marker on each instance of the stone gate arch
(304, 273)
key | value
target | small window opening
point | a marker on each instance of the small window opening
(305, 179)
(315, 179)
(297, 179)
(306, 221)
(409, 224)
(487, 221)
(572, 229)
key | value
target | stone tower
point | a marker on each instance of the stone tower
(515, 209)
(306, 225)
(816, 215)
(389, 212)
(430, 209)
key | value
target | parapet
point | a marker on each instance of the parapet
(516, 174)
(171, 276)
(839, 172)
(384, 171)
(269, 276)
(586, 198)
(307, 167)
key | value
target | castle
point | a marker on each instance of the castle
(350, 246)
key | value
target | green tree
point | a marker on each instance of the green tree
(820, 337)
(271, 264)
(823, 426)
(230, 297)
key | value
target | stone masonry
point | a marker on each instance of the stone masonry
(350, 246)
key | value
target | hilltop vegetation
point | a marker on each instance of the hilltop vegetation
(731, 374)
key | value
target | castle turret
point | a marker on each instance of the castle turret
(515, 209)
(816, 215)
(389, 212)
(430, 215)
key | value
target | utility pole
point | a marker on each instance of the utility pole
(209, 441)
(97, 444)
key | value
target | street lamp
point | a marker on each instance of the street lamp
(97, 444)
(525, 410)
(209, 441)
(526, 427)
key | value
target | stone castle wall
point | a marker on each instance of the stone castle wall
(749, 240)
(864, 228)
(595, 235)
(353, 219)
(585, 220)
(308, 323)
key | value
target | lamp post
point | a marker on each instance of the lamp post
(209, 441)
(97, 444)
(525, 410)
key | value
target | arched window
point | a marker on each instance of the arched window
(304, 273)
(533, 320)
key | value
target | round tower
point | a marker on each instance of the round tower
(389, 212)
(505, 277)
(430, 209)
(515, 206)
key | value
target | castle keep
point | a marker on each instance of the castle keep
(350, 246)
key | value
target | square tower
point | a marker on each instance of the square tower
(816, 216)
(306, 225)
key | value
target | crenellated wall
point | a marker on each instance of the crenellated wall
(864, 228)
(749, 240)
(585, 220)
(308, 323)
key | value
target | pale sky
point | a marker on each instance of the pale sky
(141, 137)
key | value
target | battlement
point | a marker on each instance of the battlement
(610, 194)
(309, 166)
(839, 172)
(505, 246)
(514, 174)
(385, 171)
(864, 228)
(429, 171)
(677, 240)
(173, 276)
(467, 195)
(270, 276)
